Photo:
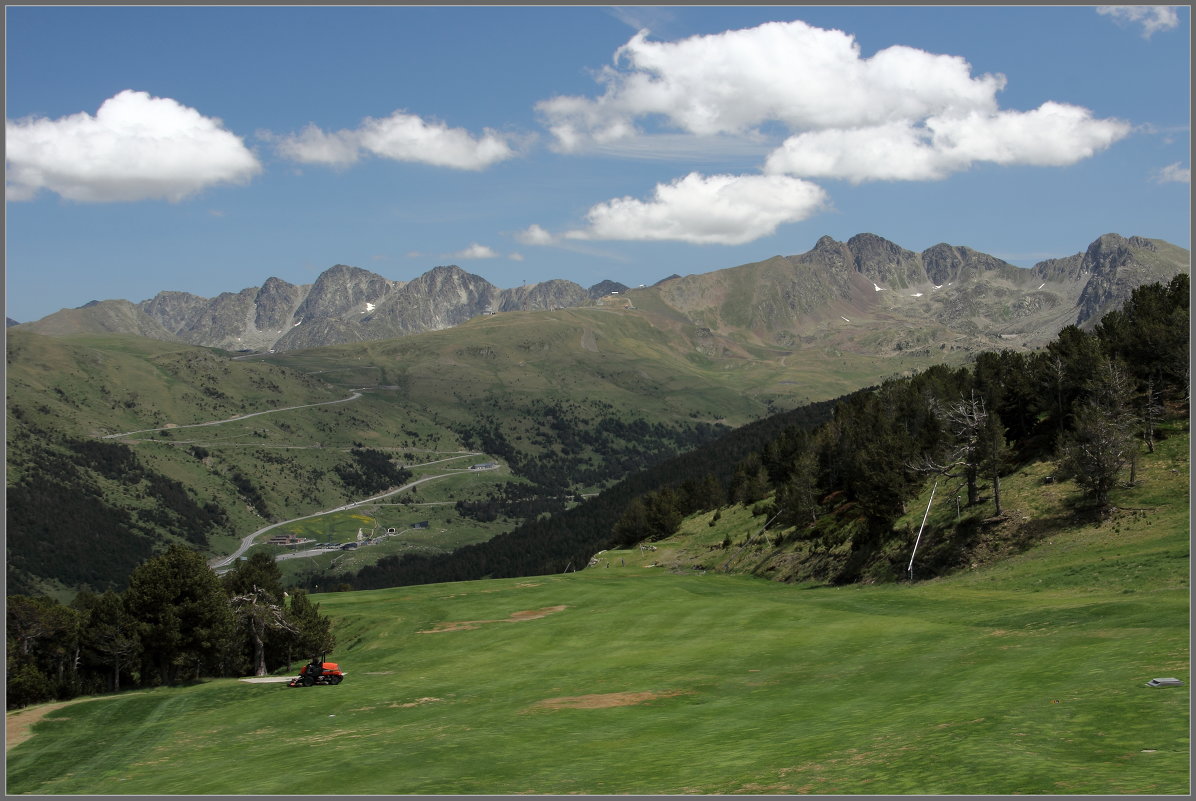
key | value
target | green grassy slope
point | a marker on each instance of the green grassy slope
(64, 394)
(1026, 675)
(647, 359)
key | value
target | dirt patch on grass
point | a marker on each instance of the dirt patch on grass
(605, 700)
(18, 724)
(416, 702)
(515, 617)
(531, 614)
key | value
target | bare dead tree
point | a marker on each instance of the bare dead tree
(958, 458)
(260, 613)
(976, 448)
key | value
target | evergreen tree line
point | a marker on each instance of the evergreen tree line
(176, 622)
(514, 501)
(567, 447)
(371, 471)
(1088, 402)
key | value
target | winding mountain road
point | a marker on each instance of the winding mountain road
(356, 394)
(247, 541)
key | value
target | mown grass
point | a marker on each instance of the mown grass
(1022, 677)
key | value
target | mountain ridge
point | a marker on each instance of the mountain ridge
(779, 300)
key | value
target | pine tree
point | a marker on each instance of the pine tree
(1101, 443)
(184, 620)
(315, 630)
(797, 498)
(111, 633)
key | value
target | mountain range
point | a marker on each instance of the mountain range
(961, 294)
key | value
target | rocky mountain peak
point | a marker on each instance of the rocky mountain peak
(173, 310)
(448, 274)
(1111, 250)
(276, 303)
(341, 289)
(827, 243)
(830, 253)
(449, 283)
(948, 263)
(884, 262)
(604, 288)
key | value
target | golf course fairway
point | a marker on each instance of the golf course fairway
(1029, 678)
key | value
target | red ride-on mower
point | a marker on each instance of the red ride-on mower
(317, 671)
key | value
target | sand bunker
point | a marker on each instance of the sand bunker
(515, 617)
(605, 700)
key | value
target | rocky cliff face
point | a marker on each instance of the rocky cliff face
(173, 310)
(886, 264)
(344, 304)
(1116, 267)
(869, 280)
(945, 264)
(276, 303)
(545, 296)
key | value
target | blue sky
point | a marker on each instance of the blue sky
(205, 149)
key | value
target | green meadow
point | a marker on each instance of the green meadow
(1026, 676)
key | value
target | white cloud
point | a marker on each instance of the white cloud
(900, 114)
(733, 82)
(475, 251)
(314, 146)
(1152, 18)
(715, 209)
(1055, 134)
(1174, 173)
(535, 235)
(682, 147)
(136, 147)
(515, 256)
(401, 137)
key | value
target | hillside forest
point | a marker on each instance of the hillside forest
(836, 475)
(831, 477)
